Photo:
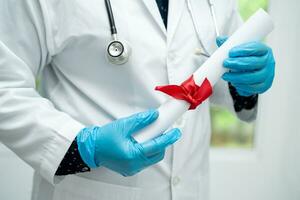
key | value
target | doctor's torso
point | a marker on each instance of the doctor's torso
(80, 81)
(79, 33)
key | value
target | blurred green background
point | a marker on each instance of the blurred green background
(227, 130)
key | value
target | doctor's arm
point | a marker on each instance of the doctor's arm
(40, 134)
(30, 125)
(251, 68)
(227, 93)
(250, 72)
(112, 146)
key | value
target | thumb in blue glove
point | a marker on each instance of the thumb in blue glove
(251, 67)
(113, 147)
(221, 40)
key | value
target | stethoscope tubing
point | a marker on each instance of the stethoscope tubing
(213, 14)
(205, 52)
(113, 29)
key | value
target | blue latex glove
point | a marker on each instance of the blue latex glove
(113, 147)
(251, 67)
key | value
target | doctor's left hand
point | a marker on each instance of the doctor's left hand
(112, 145)
(251, 67)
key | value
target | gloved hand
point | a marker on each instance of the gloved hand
(251, 67)
(113, 147)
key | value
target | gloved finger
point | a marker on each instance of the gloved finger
(221, 40)
(244, 93)
(161, 142)
(256, 88)
(132, 173)
(148, 161)
(156, 158)
(254, 77)
(139, 121)
(246, 63)
(249, 49)
(241, 92)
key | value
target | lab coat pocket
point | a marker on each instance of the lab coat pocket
(78, 188)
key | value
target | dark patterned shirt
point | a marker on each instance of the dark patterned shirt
(163, 6)
(241, 102)
(72, 162)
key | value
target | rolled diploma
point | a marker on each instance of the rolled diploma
(255, 29)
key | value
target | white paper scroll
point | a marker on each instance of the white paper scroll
(255, 29)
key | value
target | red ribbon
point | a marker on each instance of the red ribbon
(189, 91)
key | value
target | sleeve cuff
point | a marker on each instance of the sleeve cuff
(57, 148)
(248, 115)
(241, 102)
(72, 162)
(245, 107)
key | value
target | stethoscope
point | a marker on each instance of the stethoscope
(118, 51)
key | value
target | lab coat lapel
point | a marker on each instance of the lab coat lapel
(204, 22)
(154, 11)
(175, 12)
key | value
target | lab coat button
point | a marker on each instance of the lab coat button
(172, 57)
(198, 51)
(175, 181)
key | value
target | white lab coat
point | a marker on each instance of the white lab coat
(64, 43)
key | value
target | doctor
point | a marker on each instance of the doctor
(80, 122)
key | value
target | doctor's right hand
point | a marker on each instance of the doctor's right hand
(112, 145)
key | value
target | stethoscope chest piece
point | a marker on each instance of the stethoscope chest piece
(118, 52)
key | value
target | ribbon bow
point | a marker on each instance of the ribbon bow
(188, 91)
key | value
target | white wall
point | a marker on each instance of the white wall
(285, 121)
(272, 170)
(15, 177)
